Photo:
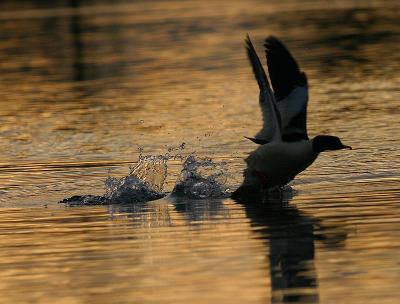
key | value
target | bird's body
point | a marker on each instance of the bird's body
(285, 149)
(278, 162)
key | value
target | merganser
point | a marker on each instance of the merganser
(285, 149)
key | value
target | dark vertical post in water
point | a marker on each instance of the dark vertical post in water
(77, 45)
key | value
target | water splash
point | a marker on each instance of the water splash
(202, 178)
(145, 181)
(85, 200)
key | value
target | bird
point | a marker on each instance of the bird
(284, 148)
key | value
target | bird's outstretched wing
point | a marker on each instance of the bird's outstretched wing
(271, 129)
(290, 89)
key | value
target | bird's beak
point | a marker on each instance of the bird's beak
(347, 147)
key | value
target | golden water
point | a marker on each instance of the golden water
(82, 88)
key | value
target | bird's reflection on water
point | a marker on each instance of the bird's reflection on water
(161, 212)
(290, 236)
(197, 210)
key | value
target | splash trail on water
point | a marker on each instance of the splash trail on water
(200, 178)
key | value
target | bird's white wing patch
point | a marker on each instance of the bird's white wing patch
(290, 89)
(293, 105)
(271, 130)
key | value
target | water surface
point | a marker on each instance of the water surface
(84, 87)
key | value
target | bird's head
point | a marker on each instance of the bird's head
(323, 143)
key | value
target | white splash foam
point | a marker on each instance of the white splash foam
(200, 178)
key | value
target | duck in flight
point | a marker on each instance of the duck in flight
(285, 149)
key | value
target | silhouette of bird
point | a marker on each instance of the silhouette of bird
(285, 149)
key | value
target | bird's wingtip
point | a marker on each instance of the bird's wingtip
(271, 41)
(248, 40)
(257, 140)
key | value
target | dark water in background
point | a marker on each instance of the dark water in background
(82, 88)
